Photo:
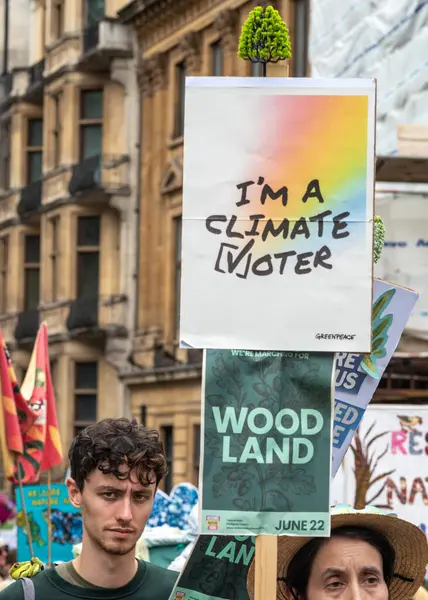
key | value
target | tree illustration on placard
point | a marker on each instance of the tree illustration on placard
(252, 487)
(366, 464)
(264, 37)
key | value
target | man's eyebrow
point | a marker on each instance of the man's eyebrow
(109, 488)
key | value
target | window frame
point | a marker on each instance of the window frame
(217, 54)
(54, 256)
(77, 391)
(31, 150)
(85, 123)
(4, 273)
(57, 128)
(58, 19)
(85, 250)
(180, 72)
(5, 153)
(31, 266)
(168, 480)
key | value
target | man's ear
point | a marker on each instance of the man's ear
(74, 493)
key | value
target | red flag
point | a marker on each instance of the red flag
(10, 431)
(42, 443)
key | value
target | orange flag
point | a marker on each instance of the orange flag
(42, 443)
(10, 431)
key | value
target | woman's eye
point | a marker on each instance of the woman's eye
(108, 495)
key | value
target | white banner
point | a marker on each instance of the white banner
(392, 460)
(404, 259)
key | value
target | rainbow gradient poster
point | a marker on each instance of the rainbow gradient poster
(278, 197)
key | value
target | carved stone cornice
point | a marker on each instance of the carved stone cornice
(191, 48)
(226, 25)
(152, 74)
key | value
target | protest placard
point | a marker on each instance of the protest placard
(266, 437)
(278, 214)
(217, 569)
(66, 523)
(357, 375)
(395, 438)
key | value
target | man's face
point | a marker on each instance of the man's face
(114, 511)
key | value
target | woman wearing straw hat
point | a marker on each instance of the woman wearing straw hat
(371, 555)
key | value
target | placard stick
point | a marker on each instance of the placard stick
(24, 510)
(267, 545)
(49, 520)
(266, 567)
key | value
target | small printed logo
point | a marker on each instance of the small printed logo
(213, 523)
(179, 595)
(335, 336)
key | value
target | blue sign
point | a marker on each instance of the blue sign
(66, 521)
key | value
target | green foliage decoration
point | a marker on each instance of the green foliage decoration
(379, 238)
(264, 37)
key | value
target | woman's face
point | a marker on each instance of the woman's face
(348, 570)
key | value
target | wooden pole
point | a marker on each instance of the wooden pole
(49, 519)
(266, 558)
(266, 567)
(24, 510)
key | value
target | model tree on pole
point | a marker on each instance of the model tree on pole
(264, 37)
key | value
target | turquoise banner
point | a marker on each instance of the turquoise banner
(267, 443)
(66, 523)
(217, 569)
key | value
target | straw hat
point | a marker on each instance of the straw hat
(408, 541)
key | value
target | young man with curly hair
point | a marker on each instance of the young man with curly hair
(116, 466)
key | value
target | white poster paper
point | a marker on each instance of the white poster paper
(278, 214)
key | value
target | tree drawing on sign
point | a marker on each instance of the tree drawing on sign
(366, 463)
(264, 37)
(276, 486)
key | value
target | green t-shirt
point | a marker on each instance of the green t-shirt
(149, 583)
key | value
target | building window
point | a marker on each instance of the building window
(91, 123)
(177, 271)
(4, 273)
(301, 35)
(217, 58)
(94, 12)
(167, 437)
(196, 452)
(5, 155)
(54, 223)
(57, 129)
(34, 150)
(58, 19)
(85, 395)
(180, 87)
(256, 69)
(53, 365)
(88, 256)
(31, 272)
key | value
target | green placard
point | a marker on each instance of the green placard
(267, 426)
(217, 569)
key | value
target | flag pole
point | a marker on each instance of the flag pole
(49, 519)
(24, 509)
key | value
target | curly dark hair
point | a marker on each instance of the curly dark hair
(112, 443)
